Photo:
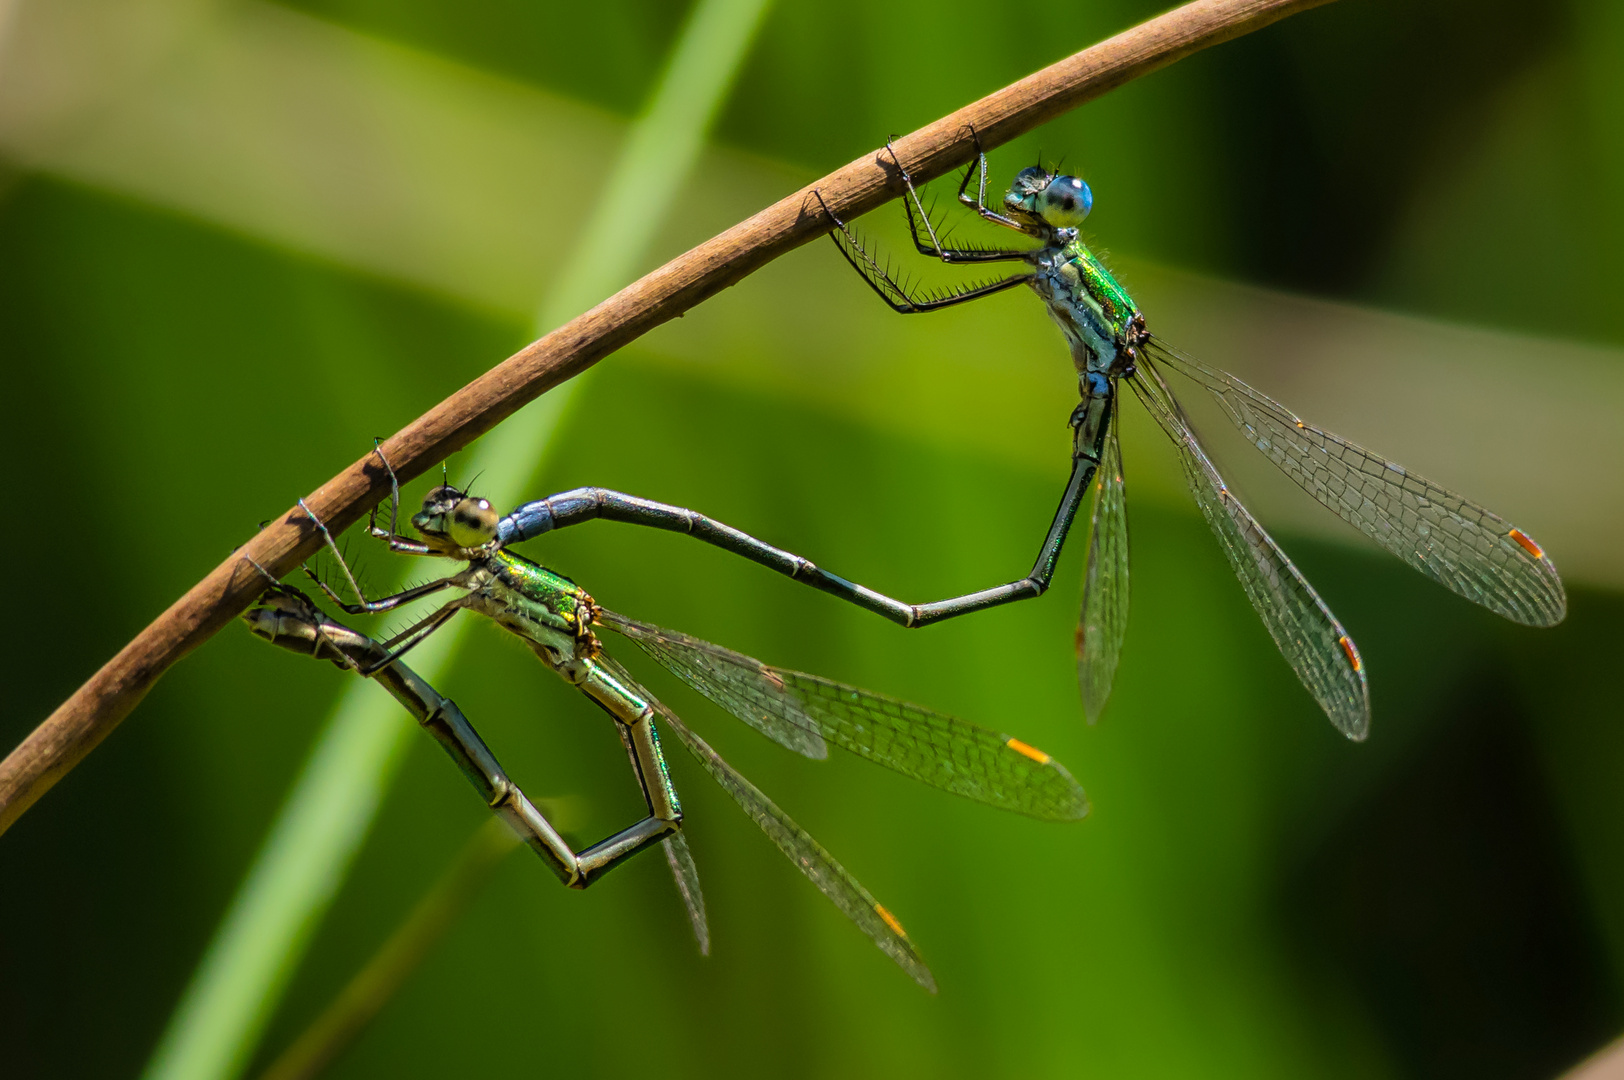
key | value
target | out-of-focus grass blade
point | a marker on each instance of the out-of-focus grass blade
(347, 1016)
(312, 844)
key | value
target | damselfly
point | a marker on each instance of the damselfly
(556, 618)
(1450, 539)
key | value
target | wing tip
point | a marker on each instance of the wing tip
(1554, 603)
(1094, 699)
(1352, 719)
(1552, 613)
(900, 948)
(1072, 806)
(1559, 600)
(1077, 807)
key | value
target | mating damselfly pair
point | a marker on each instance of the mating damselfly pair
(1450, 539)
(558, 620)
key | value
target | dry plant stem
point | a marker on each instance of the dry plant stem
(1605, 1064)
(81, 722)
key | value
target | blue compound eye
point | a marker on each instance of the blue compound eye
(1065, 202)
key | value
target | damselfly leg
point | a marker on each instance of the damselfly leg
(901, 298)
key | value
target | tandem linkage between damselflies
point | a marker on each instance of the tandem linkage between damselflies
(1450, 539)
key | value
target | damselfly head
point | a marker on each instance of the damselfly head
(1061, 202)
(450, 513)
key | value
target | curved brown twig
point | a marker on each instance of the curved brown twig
(81, 722)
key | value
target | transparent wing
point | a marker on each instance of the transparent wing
(680, 858)
(832, 879)
(734, 681)
(939, 750)
(1310, 638)
(1104, 618)
(1452, 540)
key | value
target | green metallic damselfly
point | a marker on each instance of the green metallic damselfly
(1448, 538)
(557, 620)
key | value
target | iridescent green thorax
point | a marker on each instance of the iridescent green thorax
(539, 605)
(1116, 305)
(537, 582)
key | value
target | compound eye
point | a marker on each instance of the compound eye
(473, 522)
(1065, 202)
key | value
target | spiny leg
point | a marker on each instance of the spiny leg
(414, 635)
(365, 607)
(901, 298)
(332, 546)
(404, 545)
(980, 203)
(397, 542)
(934, 248)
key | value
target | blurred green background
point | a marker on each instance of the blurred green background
(237, 241)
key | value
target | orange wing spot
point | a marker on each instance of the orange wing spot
(1300, 424)
(1080, 640)
(1352, 653)
(1528, 545)
(1028, 751)
(890, 920)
